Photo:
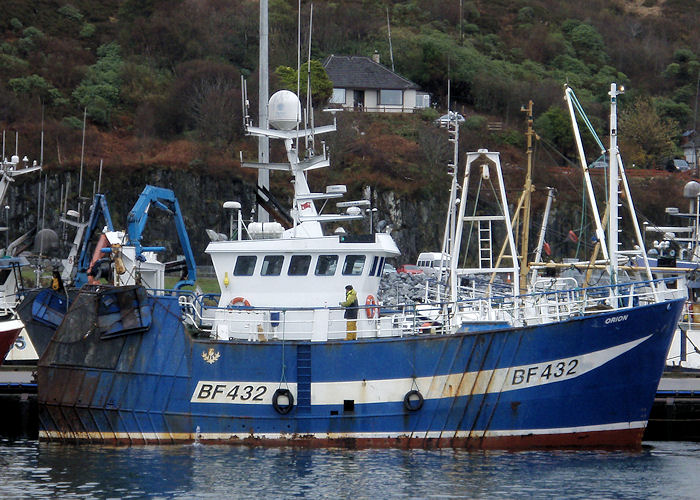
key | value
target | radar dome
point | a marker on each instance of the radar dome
(46, 242)
(284, 110)
(691, 189)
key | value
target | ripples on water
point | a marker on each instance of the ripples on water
(31, 469)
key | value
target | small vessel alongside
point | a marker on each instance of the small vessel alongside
(676, 407)
(11, 328)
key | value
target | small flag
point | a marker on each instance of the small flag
(305, 205)
(547, 248)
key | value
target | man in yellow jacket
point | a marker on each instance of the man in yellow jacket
(350, 315)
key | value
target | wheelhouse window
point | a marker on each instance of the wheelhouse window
(326, 265)
(299, 265)
(391, 97)
(338, 96)
(354, 264)
(374, 265)
(272, 265)
(245, 265)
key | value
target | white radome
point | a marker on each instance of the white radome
(284, 110)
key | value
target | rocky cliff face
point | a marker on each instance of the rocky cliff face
(415, 224)
(416, 221)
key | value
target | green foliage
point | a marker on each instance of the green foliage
(142, 82)
(646, 137)
(429, 115)
(29, 84)
(526, 15)
(99, 90)
(321, 85)
(87, 30)
(679, 112)
(30, 40)
(684, 69)
(12, 65)
(511, 137)
(554, 126)
(16, 24)
(73, 122)
(475, 122)
(36, 86)
(470, 29)
(70, 12)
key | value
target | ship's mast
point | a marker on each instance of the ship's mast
(527, 192)
(263, 141)
(614, 185)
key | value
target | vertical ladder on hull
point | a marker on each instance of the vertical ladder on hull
(304, 378)
(485, 252)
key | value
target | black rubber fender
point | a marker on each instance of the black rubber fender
(283, 409)
(411, 403)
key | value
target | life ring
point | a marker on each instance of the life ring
(239, 300)
(413, 400)
(372, 309)
(282, 409)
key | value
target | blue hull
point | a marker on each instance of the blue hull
(586, 382)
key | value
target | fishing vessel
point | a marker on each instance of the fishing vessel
(267, 361)
(11, 328)
(676, 252)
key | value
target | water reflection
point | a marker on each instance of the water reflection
(42, 470)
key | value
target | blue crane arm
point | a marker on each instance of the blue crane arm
(98, 208)
(163, 199)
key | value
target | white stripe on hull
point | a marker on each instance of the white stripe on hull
(438, 387)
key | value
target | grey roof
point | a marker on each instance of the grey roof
(359, 72)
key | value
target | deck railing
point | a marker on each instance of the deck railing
(322, 324)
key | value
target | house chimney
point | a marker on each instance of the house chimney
(375, 57)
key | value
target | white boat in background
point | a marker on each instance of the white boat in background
(11, 328)
(676, 247)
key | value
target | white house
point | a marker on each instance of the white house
(363, 84)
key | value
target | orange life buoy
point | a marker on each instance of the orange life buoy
(239, 300)
(372, 309)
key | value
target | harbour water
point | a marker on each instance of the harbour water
(39, 470)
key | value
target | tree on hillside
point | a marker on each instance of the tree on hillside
(646, 138)
(99, 90)
(321, 85)
(554, 126)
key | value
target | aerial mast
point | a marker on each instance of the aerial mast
(263, 141)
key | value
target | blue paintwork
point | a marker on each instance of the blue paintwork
(145, 383)
(99, 208)
(165, 200)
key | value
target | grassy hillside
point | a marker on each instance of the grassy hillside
(159, 81)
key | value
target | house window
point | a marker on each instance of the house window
(354, 264)
(326, 264)
(245, 264)
(391, 97)
(272, 265)
(299, 265)
(338, 96)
